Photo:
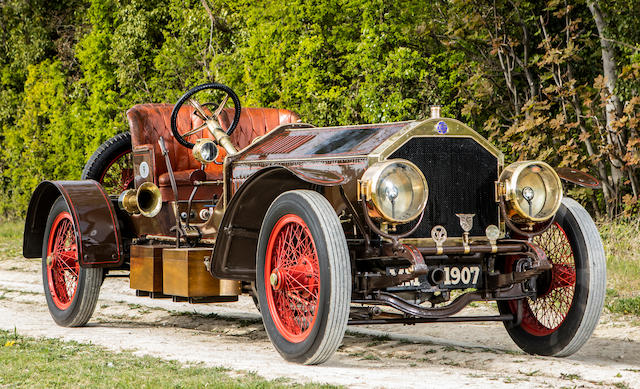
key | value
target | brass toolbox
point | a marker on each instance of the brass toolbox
(185, 275)
(146, 268)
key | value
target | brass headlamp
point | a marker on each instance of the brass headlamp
(532, 191)
(205, 150)
(394, 190)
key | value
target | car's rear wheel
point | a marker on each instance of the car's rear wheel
(112, 164)
(570, 295)
(71, 291)
(303, 277)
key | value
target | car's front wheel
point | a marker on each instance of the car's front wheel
(71, 291)
(303, 277)
(570, 296)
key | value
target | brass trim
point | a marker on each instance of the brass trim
(269, 162)
(426, 128)
(372, 125)
(467, 248)
(509, 179)
(369, 188)
(451, 241)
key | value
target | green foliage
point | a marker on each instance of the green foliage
(525, 74)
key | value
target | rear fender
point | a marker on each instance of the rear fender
(97, 231)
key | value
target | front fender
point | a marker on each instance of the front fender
(97, 230)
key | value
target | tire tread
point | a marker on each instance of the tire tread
(97, 159)
(597, 279)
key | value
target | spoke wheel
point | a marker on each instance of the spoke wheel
(118, 174)
(570, 296)
(71, 291)
(556, 288)
(303, 277)
(292, 274)
(62, 261)
(112, 165)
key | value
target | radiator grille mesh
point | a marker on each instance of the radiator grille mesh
(461, 175)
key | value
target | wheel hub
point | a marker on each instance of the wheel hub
(275, 279)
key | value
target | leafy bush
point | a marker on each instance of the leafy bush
(528, 75)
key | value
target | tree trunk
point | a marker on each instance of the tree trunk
(613, 106)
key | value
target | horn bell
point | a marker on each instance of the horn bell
(146, 200)
(149, 199)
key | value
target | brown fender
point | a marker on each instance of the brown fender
(578, 177)
(98, 232)
(234, 256)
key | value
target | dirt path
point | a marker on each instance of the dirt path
(232, 336)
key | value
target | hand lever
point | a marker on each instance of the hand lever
(174, 187)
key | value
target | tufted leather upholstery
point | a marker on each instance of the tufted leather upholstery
(148, 122)
(255, 122)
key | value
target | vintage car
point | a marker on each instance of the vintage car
(383, 223)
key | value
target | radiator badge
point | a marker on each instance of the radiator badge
(442, 128)
(466, 221)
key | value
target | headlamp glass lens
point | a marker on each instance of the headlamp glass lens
(536, 191)
(401, 192)
(208, 152)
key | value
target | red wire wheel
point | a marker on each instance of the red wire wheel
(63, 268)
(303, 277)
(556, 289)
(570, 296)
(292, 277)
(71, 290)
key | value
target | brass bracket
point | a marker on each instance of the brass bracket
(465, 242)
(500, 190)
(439, 236)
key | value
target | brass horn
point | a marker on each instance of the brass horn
(145, 200)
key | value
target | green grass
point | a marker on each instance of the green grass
(46, 363)
(622, 247)
(11, 230)
(11, 239)
(623, 305)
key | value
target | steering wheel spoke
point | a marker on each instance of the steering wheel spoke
(199, 109)
(195, 130)
(204, 112)
(221, 106)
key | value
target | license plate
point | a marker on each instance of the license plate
(461, 276)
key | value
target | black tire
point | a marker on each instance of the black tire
(587, 299)
(254, 296)
(321, 338)
(103, 158)
(84, 300)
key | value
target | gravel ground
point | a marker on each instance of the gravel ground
(231, 335)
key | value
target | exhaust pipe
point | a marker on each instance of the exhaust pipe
(437, 276)
(146, 200)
